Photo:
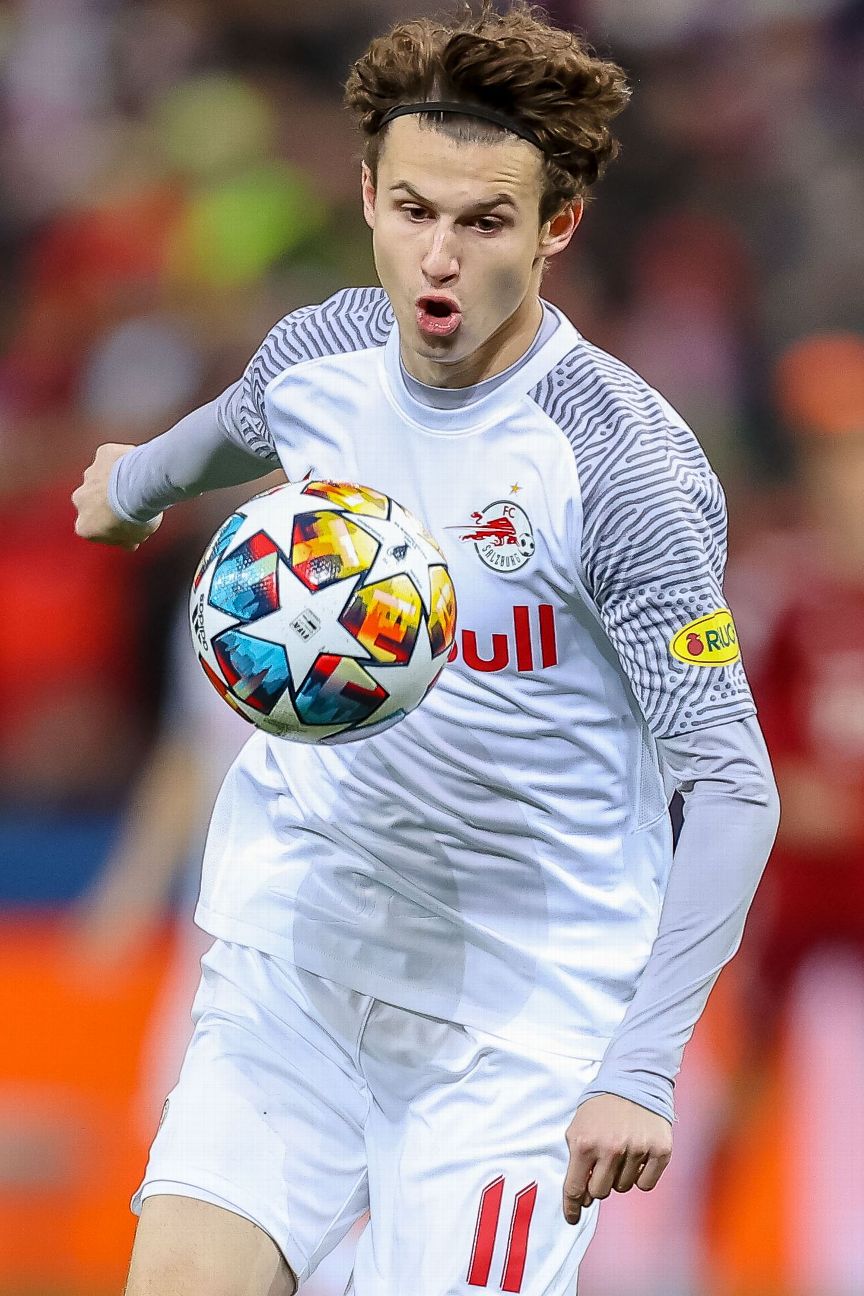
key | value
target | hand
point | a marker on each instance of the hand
(96, 519)
(614, 1143)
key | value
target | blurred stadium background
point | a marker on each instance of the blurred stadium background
(174, 176)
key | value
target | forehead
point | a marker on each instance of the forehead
(457, 172)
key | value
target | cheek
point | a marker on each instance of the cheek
(391, 247)
(510, 278)
(382, 250)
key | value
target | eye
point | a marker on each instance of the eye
(414, 212)
(488, 224)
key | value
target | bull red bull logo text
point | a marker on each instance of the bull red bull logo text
(709, 641)
(531, 645)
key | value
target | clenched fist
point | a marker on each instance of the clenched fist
(614, 1143)
(96, 519)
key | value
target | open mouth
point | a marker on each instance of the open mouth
(438, 316)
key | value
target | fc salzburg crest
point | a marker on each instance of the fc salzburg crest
(502, 536)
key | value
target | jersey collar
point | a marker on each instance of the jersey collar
(477, 413)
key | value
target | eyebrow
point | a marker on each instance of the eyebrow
(485, 204)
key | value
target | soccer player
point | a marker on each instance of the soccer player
(456, 964)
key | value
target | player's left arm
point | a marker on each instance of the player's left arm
(621, 1135)
(711, 749)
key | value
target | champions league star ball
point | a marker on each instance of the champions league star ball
(322, 611)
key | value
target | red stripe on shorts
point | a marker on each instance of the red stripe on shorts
(517, 1243)
(484, 1233)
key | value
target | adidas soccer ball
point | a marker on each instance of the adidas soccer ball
(322, 611)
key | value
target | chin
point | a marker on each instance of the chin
(447, 360)
(459, 346)
(445, 350)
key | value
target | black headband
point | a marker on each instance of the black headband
(466, 110)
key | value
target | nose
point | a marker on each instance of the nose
(440, 264)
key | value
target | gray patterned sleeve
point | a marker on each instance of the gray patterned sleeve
(241, 407)
(654, 552)
(350, 320)
(653, 543)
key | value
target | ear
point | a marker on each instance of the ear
(367, 189)
(557, 233)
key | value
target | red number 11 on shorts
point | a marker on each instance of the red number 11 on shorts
(487, 1230)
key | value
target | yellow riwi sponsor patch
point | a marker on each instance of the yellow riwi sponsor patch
(709, 641)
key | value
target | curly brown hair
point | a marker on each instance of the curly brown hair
(548, 79)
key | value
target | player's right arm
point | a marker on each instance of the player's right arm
(224, 443)
(228, 441)
(126, 488)
(96, 519)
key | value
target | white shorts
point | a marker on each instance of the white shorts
(302, 1104)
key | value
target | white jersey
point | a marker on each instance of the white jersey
(499, 857)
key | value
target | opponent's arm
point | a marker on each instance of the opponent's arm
(621, 1134)
(126, 488)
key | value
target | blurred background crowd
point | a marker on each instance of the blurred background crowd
(174, 177)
